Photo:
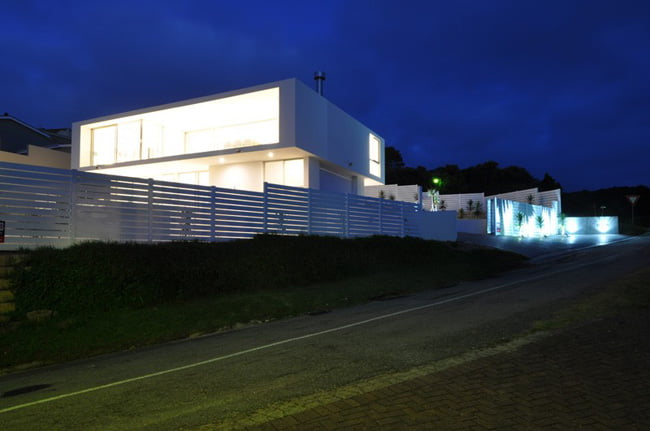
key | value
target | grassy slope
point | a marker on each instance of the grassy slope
(111, 297)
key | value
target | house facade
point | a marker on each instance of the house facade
(25, 144)
(281, 132)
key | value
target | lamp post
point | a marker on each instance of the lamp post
(434, 193)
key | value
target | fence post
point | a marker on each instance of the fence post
(403, 224)
(381, 210)
(72, 206)
(213, 213)
(265, 208)
(346, 219)
(149, 210)
(309, 197)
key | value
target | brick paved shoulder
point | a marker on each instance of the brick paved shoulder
(595, 376)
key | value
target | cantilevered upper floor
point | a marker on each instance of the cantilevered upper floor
(281, 132)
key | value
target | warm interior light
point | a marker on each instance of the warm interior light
(229, 123)
(374, 147)
(270, 154)
(221, 160)
(294, 173)
(285, 172)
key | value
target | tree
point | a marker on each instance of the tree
(548, 183)
(540, 222)
(393, 158)
(519, 221)
(477, 209)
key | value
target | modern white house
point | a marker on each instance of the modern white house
(282, 133)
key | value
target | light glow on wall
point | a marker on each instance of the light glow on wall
(591, 225)
(602, 225)
(571, 225)
(536, 220)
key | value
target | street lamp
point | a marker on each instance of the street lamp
(434, 193)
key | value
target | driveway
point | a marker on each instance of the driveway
(542, 248)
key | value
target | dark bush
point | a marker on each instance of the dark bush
(106, 276)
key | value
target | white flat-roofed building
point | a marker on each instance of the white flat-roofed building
(281, 132)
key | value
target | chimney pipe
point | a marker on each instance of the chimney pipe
(319, 77)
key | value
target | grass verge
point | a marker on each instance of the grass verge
(73, 335)
(629, 294)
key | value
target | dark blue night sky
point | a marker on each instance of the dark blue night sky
(553, 86)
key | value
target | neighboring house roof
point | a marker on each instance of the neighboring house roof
(16, 136)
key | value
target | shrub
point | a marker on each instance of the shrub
(106, 276)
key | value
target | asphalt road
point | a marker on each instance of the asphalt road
(220, 378)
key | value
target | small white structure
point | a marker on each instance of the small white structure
(410, 193)
(281, 132)
(511, 218)
(591, 225)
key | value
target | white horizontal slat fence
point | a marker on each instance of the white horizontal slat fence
(45, 206)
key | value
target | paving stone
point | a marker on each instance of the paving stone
(591, 377)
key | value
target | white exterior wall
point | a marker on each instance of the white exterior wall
(591, 225)
(410, 193)
(502, 218)
(310, 127)
(545, 199)
(438, 225)
(454, 202)
(324, 130)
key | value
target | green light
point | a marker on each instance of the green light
(437, 181)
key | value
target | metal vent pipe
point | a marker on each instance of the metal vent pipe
(319, 77)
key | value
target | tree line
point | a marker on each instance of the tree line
(486, 177)
(491, 179)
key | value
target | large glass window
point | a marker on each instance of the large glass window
(199, 141)
(128, 141)
(239, 121)
(294, 173)
(104, 144)
(374, 150)
(152, 140)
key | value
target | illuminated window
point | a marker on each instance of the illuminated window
(285, 172)
(274, 172)
(199, 141)
(374, 151)
(104, 144)
(294, 174)
(229, 123)
(152, 140)
(128, 141)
